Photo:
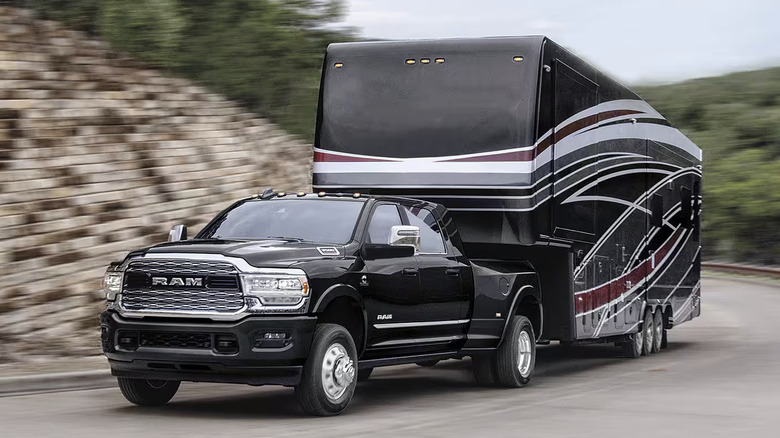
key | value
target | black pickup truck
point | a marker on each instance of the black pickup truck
(313, 291)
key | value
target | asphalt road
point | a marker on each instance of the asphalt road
(720, 376)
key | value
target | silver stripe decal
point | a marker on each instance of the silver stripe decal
(420, 324)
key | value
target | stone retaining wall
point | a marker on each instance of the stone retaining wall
(99, 155)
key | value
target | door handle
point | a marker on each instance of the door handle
(453, 272)
(410, 272)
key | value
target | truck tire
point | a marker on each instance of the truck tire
(364, 374)
(516, 355)
(145, 392)
(658, 330)
(649, 331)
(427, 363)
(329, 374)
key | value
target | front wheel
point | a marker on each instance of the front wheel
(329, 374)
(145, 392)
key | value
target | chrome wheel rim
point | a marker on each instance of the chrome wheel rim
(659, 332)
(524, 353)
(338, 372)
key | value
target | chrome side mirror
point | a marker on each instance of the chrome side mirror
(177, 233)
(405, 235)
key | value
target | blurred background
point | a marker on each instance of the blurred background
(119, 119)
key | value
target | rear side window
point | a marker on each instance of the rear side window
(431, 240)
(384, 218)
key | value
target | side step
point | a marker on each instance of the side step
(384, 362)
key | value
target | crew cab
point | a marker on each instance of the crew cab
(313, 291)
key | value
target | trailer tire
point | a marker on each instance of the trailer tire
(329, 374)
(143, 392)
(649, 332)
(632, 347)
(658, 330)
(516, 355)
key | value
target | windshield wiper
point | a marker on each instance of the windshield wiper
(288, 239)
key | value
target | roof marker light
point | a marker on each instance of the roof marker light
(301, 194)
(425, 61)
(439, 60)
(410, 61)
(356, 195)
(321, 194)
(338, 64)
(518, 59)
(282, 194)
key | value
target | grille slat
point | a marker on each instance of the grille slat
(221, 292)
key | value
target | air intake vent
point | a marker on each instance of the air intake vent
(229, 282)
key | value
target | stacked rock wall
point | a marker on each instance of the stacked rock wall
(99, 155)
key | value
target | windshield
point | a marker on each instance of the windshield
(311, 220)
(378, 105)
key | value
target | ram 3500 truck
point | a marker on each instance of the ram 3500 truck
(314, 291)
(475, 197)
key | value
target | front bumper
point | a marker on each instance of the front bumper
(204, 351)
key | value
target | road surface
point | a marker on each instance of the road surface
(720, 376)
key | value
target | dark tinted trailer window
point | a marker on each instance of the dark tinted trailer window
(322, 221)
(384, 218)
(473, 101)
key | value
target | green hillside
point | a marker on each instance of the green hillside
(735, 119)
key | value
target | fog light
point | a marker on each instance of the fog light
(275, 335)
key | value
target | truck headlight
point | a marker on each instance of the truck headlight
(276, 289)
(112, 284)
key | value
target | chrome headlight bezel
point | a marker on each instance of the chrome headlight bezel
(112, 282)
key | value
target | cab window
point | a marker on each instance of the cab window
(382, 220)
(431, 240)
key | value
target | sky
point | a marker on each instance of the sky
(638, 42)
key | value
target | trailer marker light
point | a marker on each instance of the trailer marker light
(518, 59)
(425, 61)
(439, 60)
(338, 64)
(410, 61)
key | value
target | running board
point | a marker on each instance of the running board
(374, 363)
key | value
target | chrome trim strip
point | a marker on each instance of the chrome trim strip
(240, 264)
(420, 324)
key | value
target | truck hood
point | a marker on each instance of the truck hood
(258, 253)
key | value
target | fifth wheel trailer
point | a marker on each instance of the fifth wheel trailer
(540, 158)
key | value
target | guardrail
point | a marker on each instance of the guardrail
(742, 269)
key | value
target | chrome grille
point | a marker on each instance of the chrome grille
(220, 294)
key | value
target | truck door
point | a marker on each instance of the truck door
(391, 287)
(440, 281)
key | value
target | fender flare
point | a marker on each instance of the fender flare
(524, 291)
(343, 290)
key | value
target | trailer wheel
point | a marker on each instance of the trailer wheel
(483, 370)
(329, 374)
(364, 374)
(516, 355)
(649, 331)
(145, 392)
(658, 330)
(632, 347)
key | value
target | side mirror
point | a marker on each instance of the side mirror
(177, 233)
(405, 235)
(376, 251)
